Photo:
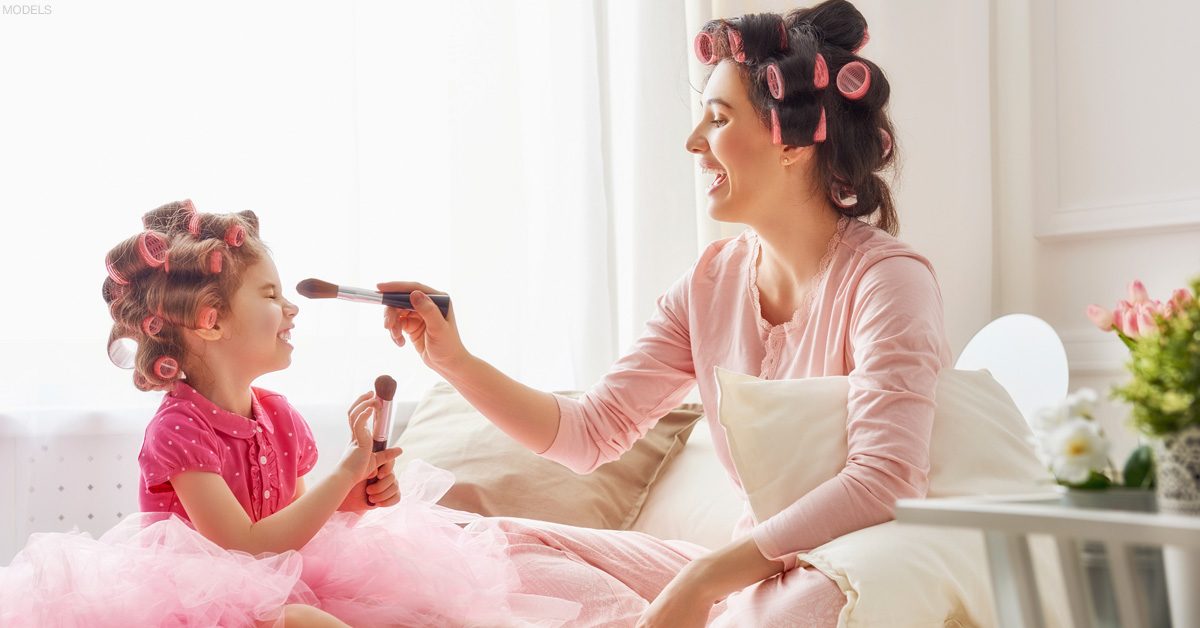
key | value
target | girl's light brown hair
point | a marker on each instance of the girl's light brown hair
(153, 298)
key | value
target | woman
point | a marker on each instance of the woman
(794, 131)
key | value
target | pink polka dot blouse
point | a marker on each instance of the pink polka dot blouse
(260, 458)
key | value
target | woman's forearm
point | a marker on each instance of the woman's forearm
(528, 415)
(730, 569)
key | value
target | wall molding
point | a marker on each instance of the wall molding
(1093, 352)
(1116, 220)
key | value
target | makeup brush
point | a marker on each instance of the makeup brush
(385, 390)
(317, 289)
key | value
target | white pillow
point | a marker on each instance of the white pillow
(788, 436)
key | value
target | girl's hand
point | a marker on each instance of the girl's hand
(435, 338)
(359, 461)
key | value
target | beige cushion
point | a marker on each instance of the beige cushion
(788, 436)
(496, 476)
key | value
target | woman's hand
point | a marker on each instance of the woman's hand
(359, 461)
(684, 603)
(435, 338)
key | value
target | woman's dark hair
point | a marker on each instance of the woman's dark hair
(859, 141)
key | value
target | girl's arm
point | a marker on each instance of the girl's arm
(217, 514)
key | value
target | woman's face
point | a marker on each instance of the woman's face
(734, 146)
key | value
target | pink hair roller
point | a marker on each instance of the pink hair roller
(114, 291)
(819, 134)
(152, 248)
(141, 382)
(193, 225)
(235, 235)
(151, 325)
(820, 72)
(776, 132)
(115, 274)
(885, 139)
(214, 262)
(703, 45)
(775, 82)
(853, 80)
(862, 43)
(783, 37)
(165, 367)
(735, 45)
(843, 195)
(207, 318)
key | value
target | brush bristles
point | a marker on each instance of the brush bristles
(385, 387)
(317, 289)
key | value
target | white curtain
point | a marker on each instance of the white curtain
(525, 156)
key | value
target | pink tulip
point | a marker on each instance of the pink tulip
(1137, 292)
(1100, 317)
(1180, 299)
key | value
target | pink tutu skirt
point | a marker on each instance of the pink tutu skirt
(413, 564)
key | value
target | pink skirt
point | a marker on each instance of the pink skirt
(412, 564)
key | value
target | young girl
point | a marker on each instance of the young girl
(229, 533)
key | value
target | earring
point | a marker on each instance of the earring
(787, 162)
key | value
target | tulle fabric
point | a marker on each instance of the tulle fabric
(414, 564)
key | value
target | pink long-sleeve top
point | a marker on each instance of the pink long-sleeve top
(873, 313)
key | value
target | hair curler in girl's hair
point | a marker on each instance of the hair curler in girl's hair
(235, 235)
(151, 325)
(854, 80)
(122, 350)
(215, 260)
(705, 51)
(166, 367)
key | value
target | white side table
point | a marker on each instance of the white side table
(1006, 522)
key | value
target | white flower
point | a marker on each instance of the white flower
(1082, 402)
(1050, 418)
(1076, 449)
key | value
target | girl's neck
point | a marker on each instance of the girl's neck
(228, 393)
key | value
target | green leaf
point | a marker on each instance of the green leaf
(1139, 468)
(1095, 481)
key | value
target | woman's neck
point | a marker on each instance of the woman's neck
(793, 246)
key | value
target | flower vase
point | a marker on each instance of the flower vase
(1178, 464)
(1178, 461)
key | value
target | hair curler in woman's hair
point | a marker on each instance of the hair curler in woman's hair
(736, 47)
(854, 80)
(885, 140)
(705, 51)
(819, 134)
(863, 42)
(775, 82)
(776, 130)
(843, 194)
(820, 72)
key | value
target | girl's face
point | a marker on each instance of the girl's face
(255, 333)
(735, 146)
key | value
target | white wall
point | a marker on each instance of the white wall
(1095, 146)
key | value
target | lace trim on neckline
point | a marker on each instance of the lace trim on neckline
(813, 284)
